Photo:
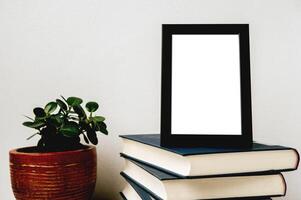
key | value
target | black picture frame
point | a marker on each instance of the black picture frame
(175, 140)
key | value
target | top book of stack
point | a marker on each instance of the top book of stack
(209, 161)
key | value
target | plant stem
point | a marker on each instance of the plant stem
(32, 136)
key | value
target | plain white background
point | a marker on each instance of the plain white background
(205, 85)
(110, 51)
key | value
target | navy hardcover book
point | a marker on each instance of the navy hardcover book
(154, 140)
(257, 158)
(145, 195)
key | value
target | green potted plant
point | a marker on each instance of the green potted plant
(59, 167)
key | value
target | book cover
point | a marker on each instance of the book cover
(154, 140)
(166, 177)
(209, 161)
(145, 194)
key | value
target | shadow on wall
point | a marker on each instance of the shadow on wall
(109, 165)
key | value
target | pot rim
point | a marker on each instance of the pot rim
(18, 152)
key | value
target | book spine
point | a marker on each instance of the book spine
(122, 195)
(298, 158)
(284, 183)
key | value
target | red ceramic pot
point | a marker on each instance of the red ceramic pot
(68, 175)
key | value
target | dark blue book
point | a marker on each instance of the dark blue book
(209, 161)
(152, 183)
(133, 191)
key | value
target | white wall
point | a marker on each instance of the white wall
(110, 50)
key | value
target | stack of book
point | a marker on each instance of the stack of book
(160, 173)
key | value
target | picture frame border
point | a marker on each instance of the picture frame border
(187, 140)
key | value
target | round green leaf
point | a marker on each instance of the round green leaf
(92, 136)
(80, 111)
(39, 112)
(74, 101)
(50, 107)
(98, 118)
(41, 143)
(103, 124)
(102, 127)
(86, 139)
(36, 124)
(70, 129)
(61, 104)
(55, 120)
(92, 106)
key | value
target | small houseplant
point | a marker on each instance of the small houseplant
(59, 167)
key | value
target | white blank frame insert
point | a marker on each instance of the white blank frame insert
(206, 90)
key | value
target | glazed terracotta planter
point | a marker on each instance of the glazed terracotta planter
(55, 176)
